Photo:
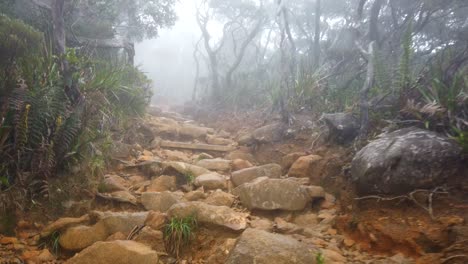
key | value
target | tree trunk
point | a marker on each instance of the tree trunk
(364, 94)
(241, 54)
(364, 100)
(58, 23)
(317, 34)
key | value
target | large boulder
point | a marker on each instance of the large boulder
(116, 252)
(159, 201)
(405, 160)
(269, 133)
(260, 247)
(210, 214)
(273, 194)
(310, 166)
(249, 174)
(342, 127)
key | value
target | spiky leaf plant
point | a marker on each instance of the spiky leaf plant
(178, 233)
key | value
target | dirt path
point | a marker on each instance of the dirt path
(246, 212)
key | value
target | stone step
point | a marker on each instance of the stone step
(195, 146)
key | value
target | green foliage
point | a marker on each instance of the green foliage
(20, 50)
(190, 177)
(178, 233)
(41, 131)
(462, 138)
(319, 258)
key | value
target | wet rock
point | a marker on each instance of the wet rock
(262, 224)
(284, 227)
(328, 202)
(342, 127)
(123, 196)
(239, 164)
(164, 126)
(215, 164)
(269, 133)
(195, 195)
(405, 160)
(44, 257)
(162, 183)
(211, 181)
(210, 214)
(159, 201)
(220, 198)
(63, 223)
(241, 154)
(8, 240)
(192, 131)
(214, 140)
(307, 167)
(185, 168)
(332, 256)
(79, 237)
(272, 194)
(289, 159)
(116, 252)
(246, 139)
(152, 238)
(309, 220)
(121, 150)
(155, 220)
(247, 175)
(116, 236)
(112, 183)
(261, 247)
(175, 155)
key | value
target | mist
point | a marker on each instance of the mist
(168, 59)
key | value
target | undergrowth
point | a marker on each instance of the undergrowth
(178, 233)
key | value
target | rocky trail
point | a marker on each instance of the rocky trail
(246, 211)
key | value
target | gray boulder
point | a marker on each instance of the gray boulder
(269, 133)
(249, 174)
(260, 247)
(342, 127)
(405, 160)
(273, 194)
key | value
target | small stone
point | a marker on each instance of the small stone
(349, 242)
(332, 231)
(8, 240)
(155, 220)
(44, 256)
(116, 236)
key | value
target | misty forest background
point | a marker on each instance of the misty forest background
(68, 79)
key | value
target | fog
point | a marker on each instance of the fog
(168, 59)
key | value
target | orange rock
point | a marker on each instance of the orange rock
(30, 254)
(332, 231)
(155, 220)
(8, 240)
(307, 166)
(349, 242)
(239, 164)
